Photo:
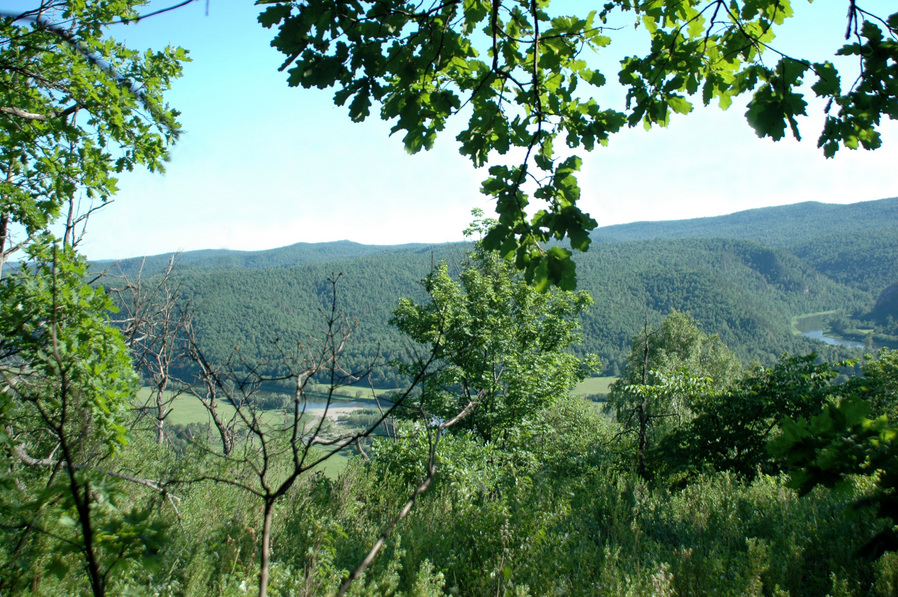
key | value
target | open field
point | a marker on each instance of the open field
(333, 466)
(594, 385)
(808, 321)
(187, 409)
(354, 392)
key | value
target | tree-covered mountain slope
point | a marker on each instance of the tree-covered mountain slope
(777, 263)
(742, 290)
(865, 260)
(251, 308)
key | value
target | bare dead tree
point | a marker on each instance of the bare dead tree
(207, 387)
(154, 323)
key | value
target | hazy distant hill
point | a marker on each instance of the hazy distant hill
(743, 276)
(855, 244)
(292, 255)
(781, 226)
(836, 239)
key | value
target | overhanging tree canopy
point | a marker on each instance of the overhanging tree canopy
(522, 75)
(76, 108)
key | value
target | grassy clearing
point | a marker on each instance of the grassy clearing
(797, 319)
(594, 385)
(333, 466)
(187, 409)
(353, 392)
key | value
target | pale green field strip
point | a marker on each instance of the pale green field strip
(333, 466)
(187, 409)
(353, 392)
(594, 385)
(796, 318)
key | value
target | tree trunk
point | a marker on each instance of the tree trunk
(643, 437)
(266, 547)
(161, 411)
(4, 224)
(643, 409)
(4, 227)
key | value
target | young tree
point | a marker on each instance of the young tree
(667, 369)
(496, 354)
(525, 76)
(67, 383)
(500, 344)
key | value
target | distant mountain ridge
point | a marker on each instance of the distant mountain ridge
(289, 256)
(780, 226)
(787, 226)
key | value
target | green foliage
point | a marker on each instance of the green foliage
(842, 441)
(250, 308)
(497, 342)
(879, 384)
(545, 514)
(78, 108)
(524, 76)
(57, 345)
(67, 384)
(732, 426)
(669, 367)
(866, 264)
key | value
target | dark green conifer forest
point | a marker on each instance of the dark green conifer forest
(343, 419)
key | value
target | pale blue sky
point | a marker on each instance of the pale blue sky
(261, 165)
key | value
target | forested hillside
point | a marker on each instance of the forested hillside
(250, 308)
(742, 290)
(863, 260)
(854, 244)
(746, 288)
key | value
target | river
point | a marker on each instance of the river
(818, 335)
(810, 326)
